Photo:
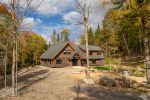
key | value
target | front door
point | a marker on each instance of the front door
(74, 62)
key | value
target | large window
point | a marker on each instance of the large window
(94, 61)
(58, 61)
(67, 52)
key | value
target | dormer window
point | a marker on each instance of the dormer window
(67, 52)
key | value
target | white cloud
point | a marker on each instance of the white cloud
(54, 7)
(73, 17)
(30, 23)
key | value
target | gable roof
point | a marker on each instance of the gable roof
(55, 49)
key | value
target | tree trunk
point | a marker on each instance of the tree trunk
(146, 50)
(140, 40)
(5, 76)
(13, 68)
(87, 49)
(16, 64)
(126, 44)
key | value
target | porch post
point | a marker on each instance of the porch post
(53, 63)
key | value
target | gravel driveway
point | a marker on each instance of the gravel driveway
(42, 83)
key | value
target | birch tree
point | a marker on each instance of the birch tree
(19, 10)
(84, 10)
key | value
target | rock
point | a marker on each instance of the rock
(123, 82)
(107, 81)
(126, 73)
(88, 81)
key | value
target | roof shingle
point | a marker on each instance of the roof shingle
(55, 49)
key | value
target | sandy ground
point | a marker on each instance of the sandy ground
(42, 83)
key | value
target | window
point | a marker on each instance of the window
(67, 52)
(93, 61)
(84, 61)
(98, 53)
(91, 53)
(58, 61)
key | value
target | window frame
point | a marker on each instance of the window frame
(94, 61)
(67, 52)
(59, 61)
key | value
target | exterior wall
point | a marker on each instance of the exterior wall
(94, 53)
(65, 62)
(65, 58)
(46, 62)
(98, 63)
(62, 55)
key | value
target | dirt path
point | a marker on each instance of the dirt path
(42, 83)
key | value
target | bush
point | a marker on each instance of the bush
(105, 68)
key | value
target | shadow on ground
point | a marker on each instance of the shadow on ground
(101, 93)
(25, 79)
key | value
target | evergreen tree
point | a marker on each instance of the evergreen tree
(58, 38)
(53, 38)
(91, 36)
(97, 35)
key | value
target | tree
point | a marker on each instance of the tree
(91, 37)
(58, 38)
(84, 9)
(65, 34)
(30, 48)
(18, 10)
(6, 25)
(138, 11)
(53, 38)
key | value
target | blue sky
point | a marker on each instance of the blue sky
(60, 14)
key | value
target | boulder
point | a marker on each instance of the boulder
(123, 82)
(107, 81)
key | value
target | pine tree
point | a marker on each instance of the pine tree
(53, 37)
(97, 35)
(91, 36)
(58, 38)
